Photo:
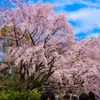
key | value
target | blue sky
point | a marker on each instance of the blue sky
(84, 16)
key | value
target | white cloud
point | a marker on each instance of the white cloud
(86, 19)
(93, 35)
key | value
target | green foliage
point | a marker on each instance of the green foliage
(27, 37)
(14, 35)
(11, 88)
(9, 63)
(16, 95)
(5, 30)
(35, 94)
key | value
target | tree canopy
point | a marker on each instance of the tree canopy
(41, 48)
